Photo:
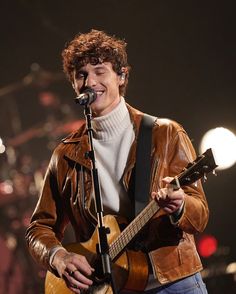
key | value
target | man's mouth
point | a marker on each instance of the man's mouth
(99, 93)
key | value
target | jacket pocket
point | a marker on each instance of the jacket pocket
(176, 260)
(166, 258)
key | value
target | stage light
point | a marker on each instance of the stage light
(223, 144)
(231, 268)
(207, 245)
(2, 147)
(6, 187)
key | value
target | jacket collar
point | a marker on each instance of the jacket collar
(78, 145)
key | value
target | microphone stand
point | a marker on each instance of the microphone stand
(103, 247)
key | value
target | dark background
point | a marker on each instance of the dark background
(182, 55)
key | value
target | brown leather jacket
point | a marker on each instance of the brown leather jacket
(66, 197)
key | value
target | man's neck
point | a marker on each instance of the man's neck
(109, 126)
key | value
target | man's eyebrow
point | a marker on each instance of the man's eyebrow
(79, 72)
(96, 67)
(100, 66)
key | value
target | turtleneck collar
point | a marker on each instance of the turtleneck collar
(112, 124)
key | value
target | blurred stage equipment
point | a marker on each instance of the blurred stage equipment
(37, 76)
(17, 197)
(53, 126)
(220, 278)
(43, 130)
(223, 143)
(22, 173)
(219, 272)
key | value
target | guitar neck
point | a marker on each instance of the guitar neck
(194, 171)
(127, 235)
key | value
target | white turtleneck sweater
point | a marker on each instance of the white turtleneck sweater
(113, 136)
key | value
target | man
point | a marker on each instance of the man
(99, 61)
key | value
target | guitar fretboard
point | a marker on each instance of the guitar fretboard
(117, 246)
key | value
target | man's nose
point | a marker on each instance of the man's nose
(90, 81)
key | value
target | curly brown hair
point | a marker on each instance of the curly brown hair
(96, 47)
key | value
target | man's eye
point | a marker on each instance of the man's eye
(80, 75)
(100, 73)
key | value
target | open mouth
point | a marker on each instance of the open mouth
(99, 93)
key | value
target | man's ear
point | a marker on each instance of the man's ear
(122, 79)
(123, 75)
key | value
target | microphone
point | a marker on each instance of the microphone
(87, 97)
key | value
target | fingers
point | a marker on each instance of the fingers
(172, 182)
(78, 262)
(167, 180)
(75, 286)
(169, 205)
(168, 199)
(75, 270)
(168, 194)
(77, 281)
(79, 276)
(82, 265)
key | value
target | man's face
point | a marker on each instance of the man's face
(104, 81)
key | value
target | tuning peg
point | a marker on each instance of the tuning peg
(205, 168)
(205, 177)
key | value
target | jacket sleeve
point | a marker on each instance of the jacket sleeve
(195, 214)
(48, 221)
(177, 154)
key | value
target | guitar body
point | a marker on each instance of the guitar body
(130, 269)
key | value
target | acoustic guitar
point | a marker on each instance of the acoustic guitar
(129, 268)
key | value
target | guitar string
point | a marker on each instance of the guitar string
(126, 236)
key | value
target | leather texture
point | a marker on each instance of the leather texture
(67, 190)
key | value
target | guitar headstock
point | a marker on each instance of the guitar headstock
(197, 169)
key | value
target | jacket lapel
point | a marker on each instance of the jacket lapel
(77, 150)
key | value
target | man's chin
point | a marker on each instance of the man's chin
(96, 110)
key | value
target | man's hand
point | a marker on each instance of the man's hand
(168, 199)
(74, 269)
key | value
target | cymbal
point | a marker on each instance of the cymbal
(43, 130)
(37, 76)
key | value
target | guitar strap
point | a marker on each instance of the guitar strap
(142, 168)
